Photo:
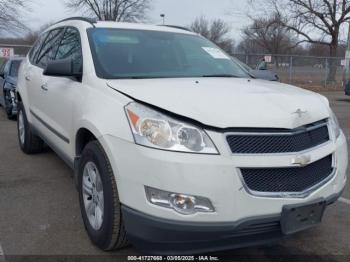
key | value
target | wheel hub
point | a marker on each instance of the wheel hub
(93, 195)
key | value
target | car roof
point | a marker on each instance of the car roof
(121, 25)
(137, 26)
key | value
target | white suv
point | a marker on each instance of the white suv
(175, 147)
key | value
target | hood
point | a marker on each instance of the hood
(229, 102)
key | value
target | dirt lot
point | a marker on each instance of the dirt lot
(39, 211)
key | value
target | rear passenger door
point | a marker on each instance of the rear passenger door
(62, 92)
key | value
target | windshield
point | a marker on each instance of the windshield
(122, 53)
(245, 66)
(15, 67)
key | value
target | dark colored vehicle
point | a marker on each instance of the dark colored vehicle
(259, 74)
(8, 84)
(347, 89)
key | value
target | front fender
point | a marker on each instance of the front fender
(86, 124)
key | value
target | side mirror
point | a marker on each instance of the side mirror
(62, 67)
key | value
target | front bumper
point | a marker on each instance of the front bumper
(13, 101)
(167, 237)
(215, 177)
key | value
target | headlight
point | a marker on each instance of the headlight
(153, 129)
(334, 124)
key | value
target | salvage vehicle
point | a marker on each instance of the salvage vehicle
(8, 83)
(174, 147)
(347, 89)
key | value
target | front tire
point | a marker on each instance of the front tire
(29, 143)
(99, 201)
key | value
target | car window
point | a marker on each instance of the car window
(49, 49)
(124, 53)
(70, 47)
(14, 68)
(33, 54)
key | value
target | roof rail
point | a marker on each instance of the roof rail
(84, 19)
(178, 27)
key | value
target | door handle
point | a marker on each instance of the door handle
(44, 87)
(27, 78)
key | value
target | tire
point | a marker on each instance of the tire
(29, 143)
(8, 105)
(102, 217)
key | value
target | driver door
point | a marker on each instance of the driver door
(61, 92)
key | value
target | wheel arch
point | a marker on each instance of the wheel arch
(83, 137)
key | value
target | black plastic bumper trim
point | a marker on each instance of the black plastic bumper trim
(166, 237)
(156, 235)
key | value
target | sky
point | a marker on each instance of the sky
(178, 12)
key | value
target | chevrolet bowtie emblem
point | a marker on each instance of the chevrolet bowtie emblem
(302, 160)
(300, 112)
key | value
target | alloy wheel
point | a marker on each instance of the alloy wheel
(93, 195)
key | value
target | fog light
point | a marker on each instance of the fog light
(181, 203)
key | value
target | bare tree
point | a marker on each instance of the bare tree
(315, 21)
(31, 37)
(10, 11)
(216, 31)
(270, 35)
(112, 10)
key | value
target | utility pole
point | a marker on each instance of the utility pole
(163, 16)
(346, 76)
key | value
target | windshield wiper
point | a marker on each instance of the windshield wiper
(221, 75)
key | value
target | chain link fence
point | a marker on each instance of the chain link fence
(311, 72)
(305, 71)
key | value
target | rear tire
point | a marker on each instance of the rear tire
(29, 143)
(99, 200)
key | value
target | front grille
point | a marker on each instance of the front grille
(276, 141)
(293, 179)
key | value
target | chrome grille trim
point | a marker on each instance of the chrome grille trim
(294, 132)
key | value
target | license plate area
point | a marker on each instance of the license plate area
(296, 218)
